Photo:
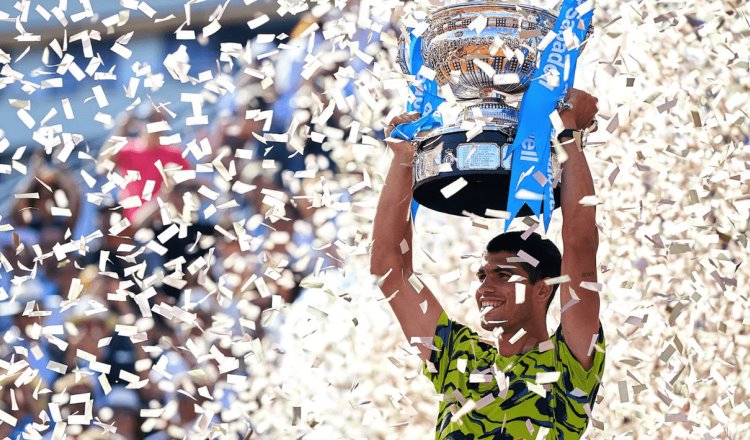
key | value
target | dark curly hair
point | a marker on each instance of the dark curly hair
(542, 249)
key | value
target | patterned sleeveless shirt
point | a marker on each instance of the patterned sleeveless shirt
(544, 393)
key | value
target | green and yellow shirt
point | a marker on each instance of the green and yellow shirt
(544, 393)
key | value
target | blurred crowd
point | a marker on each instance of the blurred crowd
(133, 293)
(225, 293)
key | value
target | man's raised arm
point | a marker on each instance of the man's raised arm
(579, 233)
(391, 255)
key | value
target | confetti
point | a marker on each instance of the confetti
(517, 336)
(524, 256)
(259, 269)
(478, 24)
(453, 187)
(416, 283)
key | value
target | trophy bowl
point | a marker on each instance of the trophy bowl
(483, 69)
(507, 43)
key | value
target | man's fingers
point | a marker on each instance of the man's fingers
(401, 119)
(410, 117)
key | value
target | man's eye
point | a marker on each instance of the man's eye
(481, 277)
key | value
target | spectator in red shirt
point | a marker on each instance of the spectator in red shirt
(141, 154)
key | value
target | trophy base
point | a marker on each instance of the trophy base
(443, 158)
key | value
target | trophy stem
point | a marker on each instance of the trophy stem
(488, 94)
(492, 108)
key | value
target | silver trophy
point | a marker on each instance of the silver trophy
(488, 72)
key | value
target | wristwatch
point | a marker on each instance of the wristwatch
(568, 133)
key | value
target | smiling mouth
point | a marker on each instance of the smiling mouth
(490, 303)
(486, 306)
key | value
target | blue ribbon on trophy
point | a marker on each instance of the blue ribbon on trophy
(427, 100)
(531, 147)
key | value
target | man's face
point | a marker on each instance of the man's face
(496, 295)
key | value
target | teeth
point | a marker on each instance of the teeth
(490, 304)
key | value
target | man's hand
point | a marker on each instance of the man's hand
(401, 148)
(583, 113)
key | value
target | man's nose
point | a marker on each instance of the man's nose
(484, 287)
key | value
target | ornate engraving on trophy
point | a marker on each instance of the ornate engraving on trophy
(478, 156)
(426, 165)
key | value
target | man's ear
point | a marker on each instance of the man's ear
(542, 291)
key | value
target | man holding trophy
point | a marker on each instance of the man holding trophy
(525, 383)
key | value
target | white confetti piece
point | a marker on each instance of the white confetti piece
(211, 28)
(549, 38)
(158, 127)
(588, 285)
(546, 346)
(258, 22)
(478, 24)
(450, 277)
(131, 202)
(60, 212)
(494, 213)
(517, 336)
(104, 383)
(260, 284)
(452, 188)
(557, 280)
(7, 418)
(505, 78)
(547, 377)
(57, 367)
(26, 118)
(242, 188)
(589, 201)
(151, 413)
(461, 365)
(520, 293)
(542, 434)
(585, 7)
(416, 283)
(538, 389)
(485, 68)
(122, 51)
(147, 10)
(523, 255)
(574, 299)
(404, 245)
(467, 407)
(101, 98)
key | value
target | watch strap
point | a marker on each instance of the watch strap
(568, 133)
